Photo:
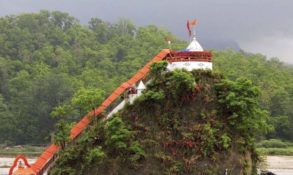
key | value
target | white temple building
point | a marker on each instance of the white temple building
(193, 57)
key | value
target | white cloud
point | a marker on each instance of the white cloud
(271, 46)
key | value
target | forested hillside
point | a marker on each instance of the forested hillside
(275, 80)
(49, 57)
(51, 65)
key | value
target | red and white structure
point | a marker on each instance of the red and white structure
(193, 57)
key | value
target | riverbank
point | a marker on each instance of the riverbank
(30, 151)
(280, 165)
(275, 147)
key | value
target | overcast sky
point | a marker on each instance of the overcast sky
(259, 26)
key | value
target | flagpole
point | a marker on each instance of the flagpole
(189, 31)
(194, 33)
(193, 25)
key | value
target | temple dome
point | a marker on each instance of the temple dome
(194, 46)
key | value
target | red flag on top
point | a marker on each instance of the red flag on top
(190, 24)
(188, 28)
(193, 22)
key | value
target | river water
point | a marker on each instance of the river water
(280, 165)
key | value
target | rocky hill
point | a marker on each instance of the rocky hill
(184, 123)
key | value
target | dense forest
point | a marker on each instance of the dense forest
(50, 63)
(49, 57)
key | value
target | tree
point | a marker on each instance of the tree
(102, 30)
(61, 136)
(239, 100)
(47, 57)
(87, 99)
(8, 129)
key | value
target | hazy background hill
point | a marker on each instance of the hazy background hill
(257, 26)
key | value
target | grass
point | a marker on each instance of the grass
(275, 147)
(276, 151)
(26, 149)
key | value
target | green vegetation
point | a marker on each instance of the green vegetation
(276, 151)
(50, 64)
(113, 146)
(184, 123)
(17, 150)
(275, 147)
(53, 68)
(61, 136)
(275, 80)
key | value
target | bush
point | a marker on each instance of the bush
(226, 141)
(95, 155)
(153, 96)
(157, 68)
(64, 170)
(180, 83)
(276, 151)
(117, 134)
(61, 137)
(137, 151)
(272, 143)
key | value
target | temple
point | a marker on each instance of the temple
(193, 57)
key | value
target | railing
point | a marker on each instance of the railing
(176, 56)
